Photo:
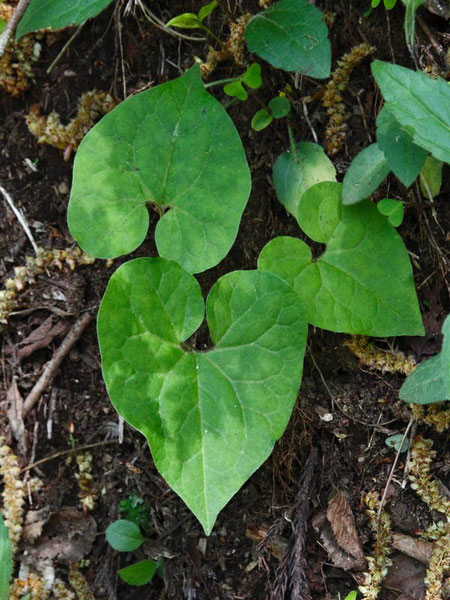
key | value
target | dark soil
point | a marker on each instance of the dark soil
(238, 561)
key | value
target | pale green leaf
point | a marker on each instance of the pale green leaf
(261, 119)
(235, 89)
(431, 177)
(367, 170)
(185, 21)
(393, 210)
(6, 563)
(139, 573)
(174, 147)
(279, 107)
(397, 442)
(353, 594)
(419, 103)
(411, 7)
(405, 158)
(389, 4)
(56, 14)
(252, 76)
(430, 381)
(291, 35)
(298, 169)
(206, 10)
(123, 535)
(210, 418)
(2, 25)
(363, 282)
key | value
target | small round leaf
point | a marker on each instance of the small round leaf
(261, 120)
(393, 210)
(395, 441)
(280, 107)
(124, 536)
(252, 76)
(139, 573)
(235, 89)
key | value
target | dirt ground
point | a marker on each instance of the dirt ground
(335, 442)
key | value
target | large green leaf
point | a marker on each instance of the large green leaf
(419, 103)
(367, 170)
(405, 158)
(363, 282)
(298, 169)
(6, 563)
(210, 418)
(57, 14)
(291, 35)
(430, 381)
(172, 146)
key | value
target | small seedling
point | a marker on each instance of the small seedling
(134, 509)
(125, 536)
(195, 20)
(251, 78)
(397, 442)
(278, 108)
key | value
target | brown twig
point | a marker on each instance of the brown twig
(69, 451)
(53, 365)
(11, 25)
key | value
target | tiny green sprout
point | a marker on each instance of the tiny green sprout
(393, 210)
(251, 78)
(134, 509)
(397, 442)
(195, 21)
(388, 4)
(278, 108)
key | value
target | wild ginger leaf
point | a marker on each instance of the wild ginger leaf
(367, 170)
(363, 282)
(210, 418)
(291, 35)
(56, 14)
(430, 381)
(405, 158)
(419, 103)
(6, 563)
(298, 169)
(172, 146)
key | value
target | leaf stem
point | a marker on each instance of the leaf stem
(213, 35)
(221, 81)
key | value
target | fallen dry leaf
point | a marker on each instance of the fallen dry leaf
(405, 579)
(41, 336)
(413, 547)
(67, 536)
(34, 524)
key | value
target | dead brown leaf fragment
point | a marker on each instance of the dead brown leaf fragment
(41, 337)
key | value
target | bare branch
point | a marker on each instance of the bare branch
(11, 25)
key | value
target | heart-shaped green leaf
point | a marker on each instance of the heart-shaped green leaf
(291, 35)
(172, 146)
(363, 282)
(210, 418)
(298, 169)
(393, 210)
(419, 103)
(235, 89)
(368, 169)
(405, 158)
(430, 381)
(57, 14)
(252, 76)
(124, 536)
(279, 107)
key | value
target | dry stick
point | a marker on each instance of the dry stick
(11, 25)
(52, 366)
(20, 218)
(64, 452)
(64, 48)
(391, 473)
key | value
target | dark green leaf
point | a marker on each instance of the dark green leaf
(185, 21)
(139, 573)
(367, 170)
(419, 103)
(252, 76)
(124, 536)
(173, 146)
(6, 563)
(349, 288)
(56, 14)
(405, 158)
(430, 381)
(280, 107)
(291, 35)
(393, 210)
(235, 89)
(211, 418)
(395, 441)
(261, 120)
